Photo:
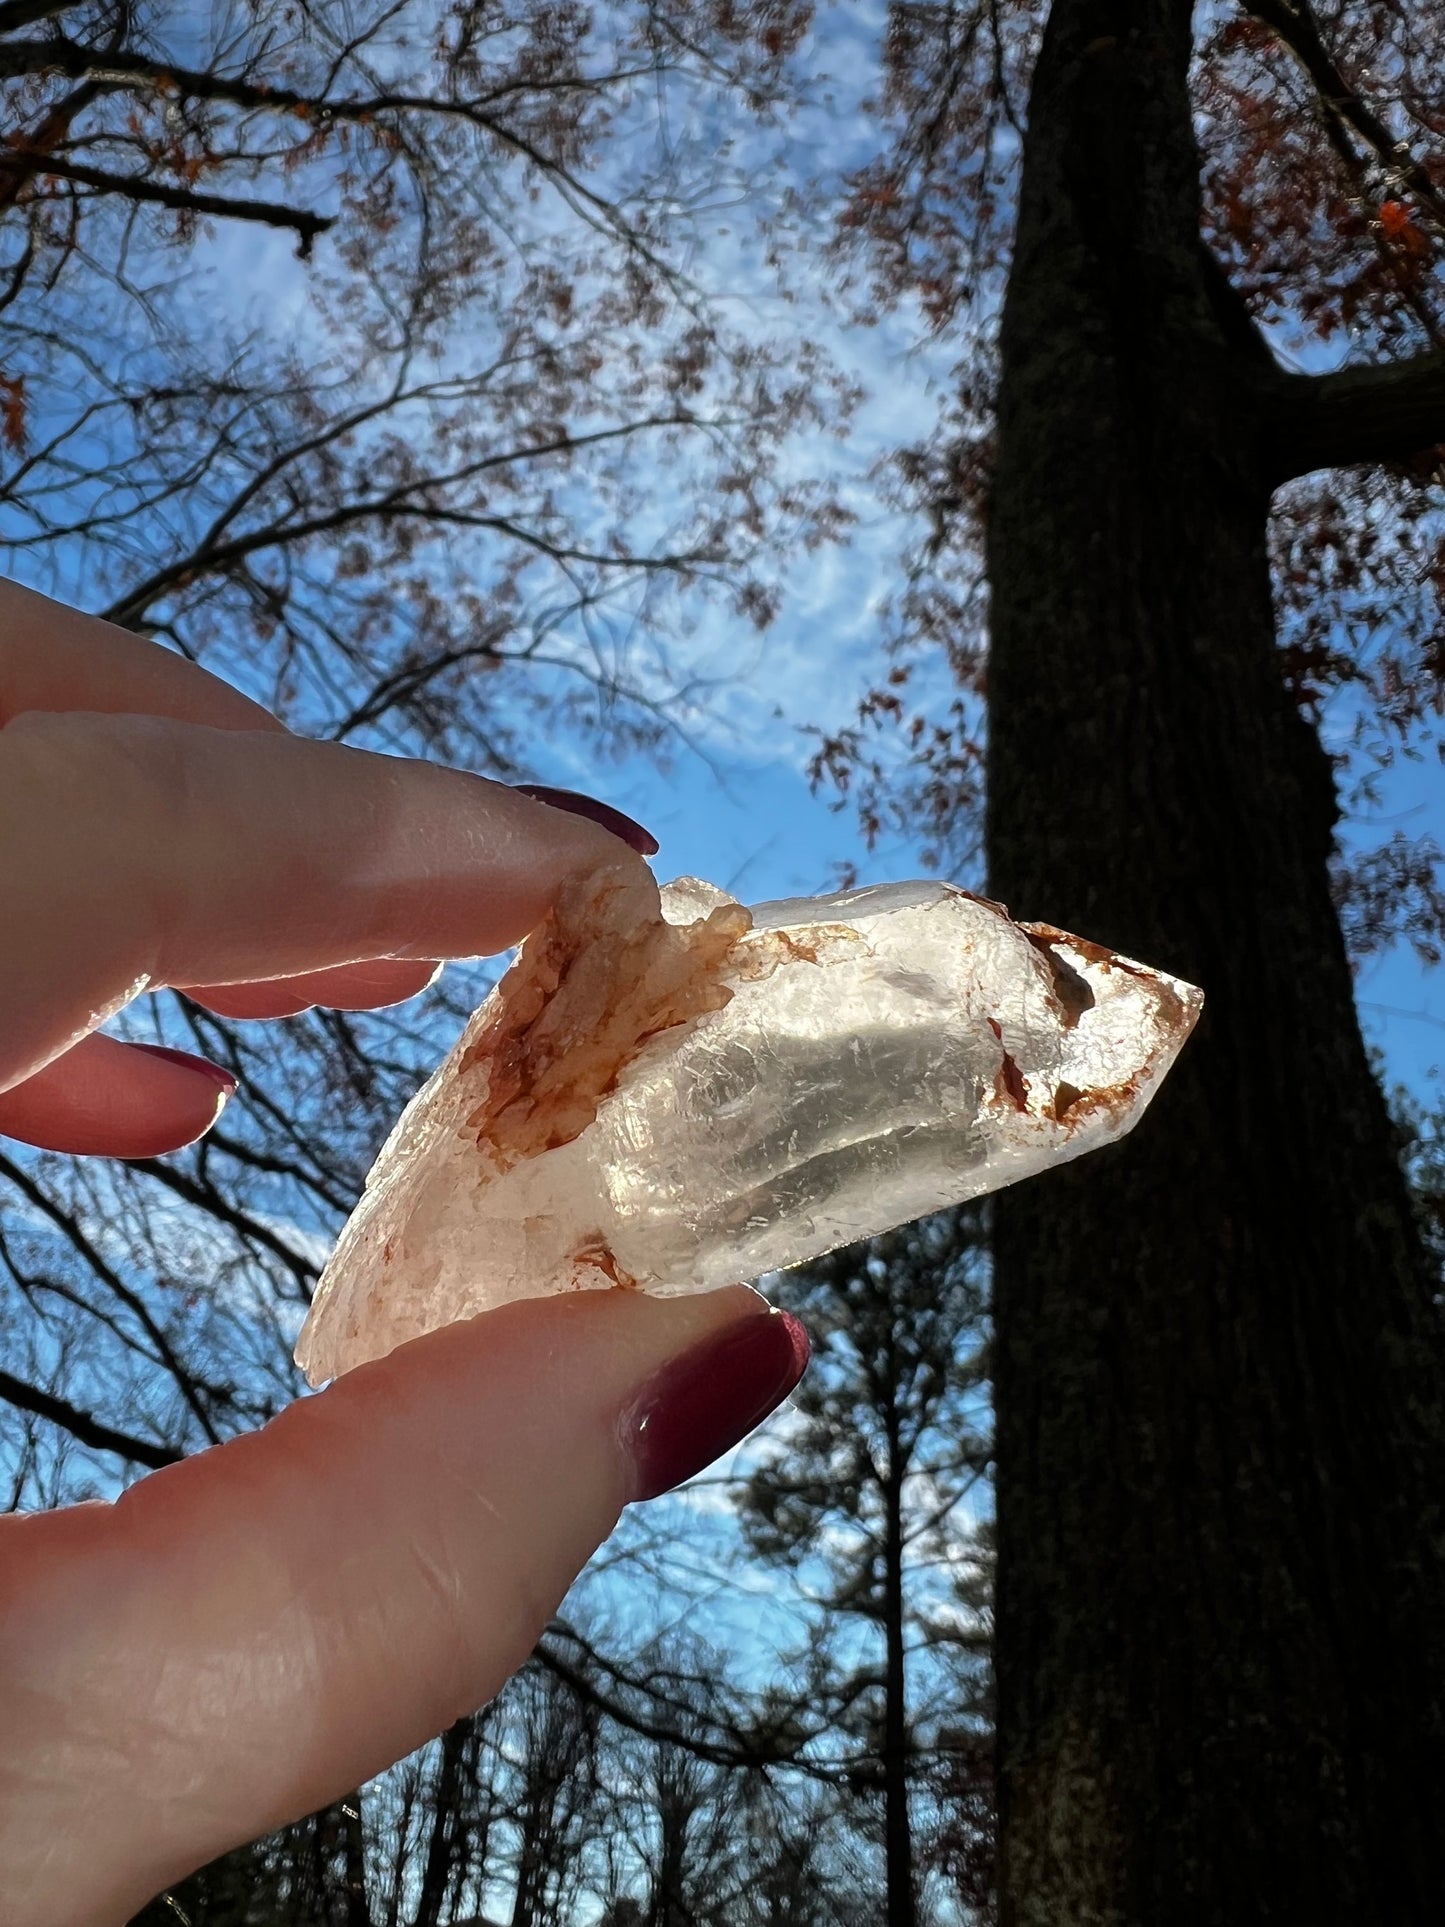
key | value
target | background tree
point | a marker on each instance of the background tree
(1198, 455)
(686, 1847)
(554, 1798)
(457, 1813)
(865, 1496)
(690, 1851)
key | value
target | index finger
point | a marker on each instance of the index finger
(141, 851)
(56, 658)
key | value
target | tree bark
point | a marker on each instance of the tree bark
(897, 1825)
(1220, 1443)
(1358, 414)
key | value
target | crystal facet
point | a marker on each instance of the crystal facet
(677, 1094)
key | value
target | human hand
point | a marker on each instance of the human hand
(243, 1637)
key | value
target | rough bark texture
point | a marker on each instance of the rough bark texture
(1220, 1463)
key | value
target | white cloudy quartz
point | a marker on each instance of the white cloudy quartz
(679, 1094)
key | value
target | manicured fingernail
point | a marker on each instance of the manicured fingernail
(222, 1079)
(643, 841)
(701, 1403)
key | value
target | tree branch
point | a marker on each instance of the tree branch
(210, 554)
(24, 13)
(1295, 24)
(746, 1751)
(71, 1231)
(314, 1180)
(80, 1425)
(394, 506)
(124, 65)
(136, 187)
(208, 1199)
(1371, 414)
(1346, 114)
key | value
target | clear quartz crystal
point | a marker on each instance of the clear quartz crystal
(683, 1095)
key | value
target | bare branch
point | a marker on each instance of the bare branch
(397, 506)
(86, 1249)
(1347, 118)
(72, 58)
(80, 1425)
(746, 1754)
(136, 187)
(218, 1206)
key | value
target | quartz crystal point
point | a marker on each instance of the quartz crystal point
(677, 1094)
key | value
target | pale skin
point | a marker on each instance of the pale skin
(246, 1636)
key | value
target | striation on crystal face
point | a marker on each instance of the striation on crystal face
(674, 1093)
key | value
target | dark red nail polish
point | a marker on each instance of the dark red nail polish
(643, 841)
(222, 1079)
(698, 1405)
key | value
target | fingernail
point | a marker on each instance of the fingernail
(698, 1405)
(222, 1079)
(643, 841)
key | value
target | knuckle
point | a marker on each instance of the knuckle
(110, 777)
(100, 793)
(98, 751)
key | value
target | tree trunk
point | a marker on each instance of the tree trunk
(441, 1844)
(337, 1837)
(669, 1907)
(1220, 1463)
(358, 1909)
(536, 1855)
(897, 1827)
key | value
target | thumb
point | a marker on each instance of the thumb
(245, 1636)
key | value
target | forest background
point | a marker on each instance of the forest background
(630, 399)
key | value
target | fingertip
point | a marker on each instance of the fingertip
(360, 986)
(250, 1002)
(225, 1081)
(274, 858)
(107, 1098)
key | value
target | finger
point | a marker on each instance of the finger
(52, 657)
(109, 1099)
(367, 986)
(56, 658)
(245, 1636)
(140, 851)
